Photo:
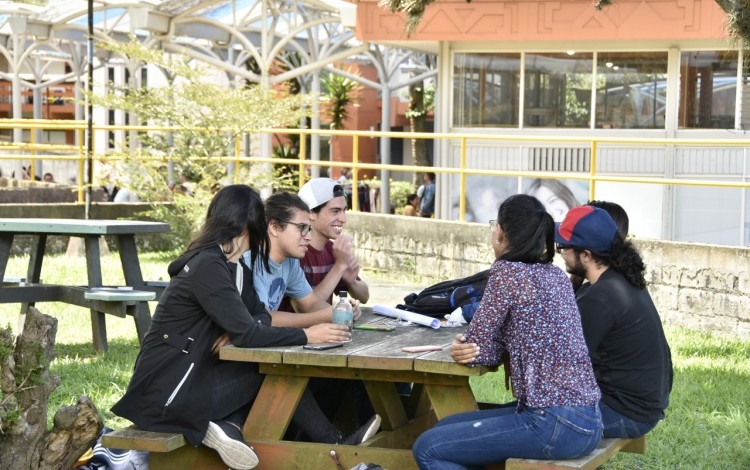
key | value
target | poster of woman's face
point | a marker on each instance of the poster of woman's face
(485, 193)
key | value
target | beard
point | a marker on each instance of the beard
(577, 268)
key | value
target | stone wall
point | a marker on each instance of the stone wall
(704, 287)
(698, 286)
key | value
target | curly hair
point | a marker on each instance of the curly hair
(624, 258)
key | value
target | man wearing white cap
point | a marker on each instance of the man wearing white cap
(330, 264)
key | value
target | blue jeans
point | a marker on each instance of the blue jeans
(473, 440)
(617, 425)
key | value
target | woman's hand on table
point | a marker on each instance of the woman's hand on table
(221, 341)
(327, 333)
(463, 352)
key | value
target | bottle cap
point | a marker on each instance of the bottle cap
(343, 294)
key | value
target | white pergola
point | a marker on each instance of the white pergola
(305, 35)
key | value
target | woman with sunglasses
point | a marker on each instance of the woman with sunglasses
(529, 312)
(179, 384)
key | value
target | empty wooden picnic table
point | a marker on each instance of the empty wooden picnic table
(93, 295)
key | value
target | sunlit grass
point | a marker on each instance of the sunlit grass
(707, 424)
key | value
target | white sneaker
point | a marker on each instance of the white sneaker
(227, 440)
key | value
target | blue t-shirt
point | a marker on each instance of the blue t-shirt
(286, 278)
(427, 207)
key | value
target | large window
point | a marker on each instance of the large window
(486, 90)
(557, 90)
(631, 90)
(708, 89)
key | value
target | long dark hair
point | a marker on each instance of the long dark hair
(529, 229)
(233, 210)
(624, 258)
(280, 207)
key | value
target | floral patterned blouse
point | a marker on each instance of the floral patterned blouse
(530, 311)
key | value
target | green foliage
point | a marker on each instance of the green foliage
(399, 191)
(341, 92)
(205, 120)
(420, 108)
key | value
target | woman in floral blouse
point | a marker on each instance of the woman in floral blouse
(529, 311)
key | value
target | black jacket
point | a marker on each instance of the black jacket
(630, 354)
(171, 387)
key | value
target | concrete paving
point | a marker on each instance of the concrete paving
(389, 293)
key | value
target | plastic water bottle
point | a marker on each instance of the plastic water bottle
(342, 311)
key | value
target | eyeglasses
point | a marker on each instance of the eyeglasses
(304, 229)
(493, 225)
(560, 247)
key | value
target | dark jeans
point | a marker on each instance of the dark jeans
(236, 385)
(473, 440)
(618, 425)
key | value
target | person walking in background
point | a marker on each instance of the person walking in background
(528, 311)
(412, 201)
(623, 331)
(330, 264)
(427, 202)
(179, 384)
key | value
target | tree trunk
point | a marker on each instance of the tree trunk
(26, 385)
(417, 123)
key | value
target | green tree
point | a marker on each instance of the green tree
(205, 119)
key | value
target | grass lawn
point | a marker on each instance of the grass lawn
(707, 424)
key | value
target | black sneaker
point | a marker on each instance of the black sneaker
(365, 432)
(227, 440)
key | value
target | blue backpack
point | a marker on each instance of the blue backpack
(444, 297)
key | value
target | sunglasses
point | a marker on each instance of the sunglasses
(493, 225)
(560, 247)
(304, 229)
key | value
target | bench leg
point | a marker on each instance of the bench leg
(33, 273)
(94, 272)
(131, 269)
(142, 317)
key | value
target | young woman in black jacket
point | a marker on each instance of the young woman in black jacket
(179, 384)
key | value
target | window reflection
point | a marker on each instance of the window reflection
(486, 90)
(631, 90)
(708, 89)
(558, 89)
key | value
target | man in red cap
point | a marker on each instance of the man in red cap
(631, 358)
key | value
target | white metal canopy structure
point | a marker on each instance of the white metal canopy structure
(305, 35)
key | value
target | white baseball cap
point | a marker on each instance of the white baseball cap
(319, 191)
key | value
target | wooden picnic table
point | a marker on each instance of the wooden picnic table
(440, 388)
(100, 301)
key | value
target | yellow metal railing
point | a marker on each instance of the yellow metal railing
(39, 151)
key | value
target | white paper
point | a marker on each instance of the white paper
(417, 318)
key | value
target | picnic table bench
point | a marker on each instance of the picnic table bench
(130, 299)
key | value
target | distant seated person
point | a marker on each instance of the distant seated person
(412, 202)
(623, 331)
(48, 178)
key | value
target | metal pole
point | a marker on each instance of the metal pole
(90, 111)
